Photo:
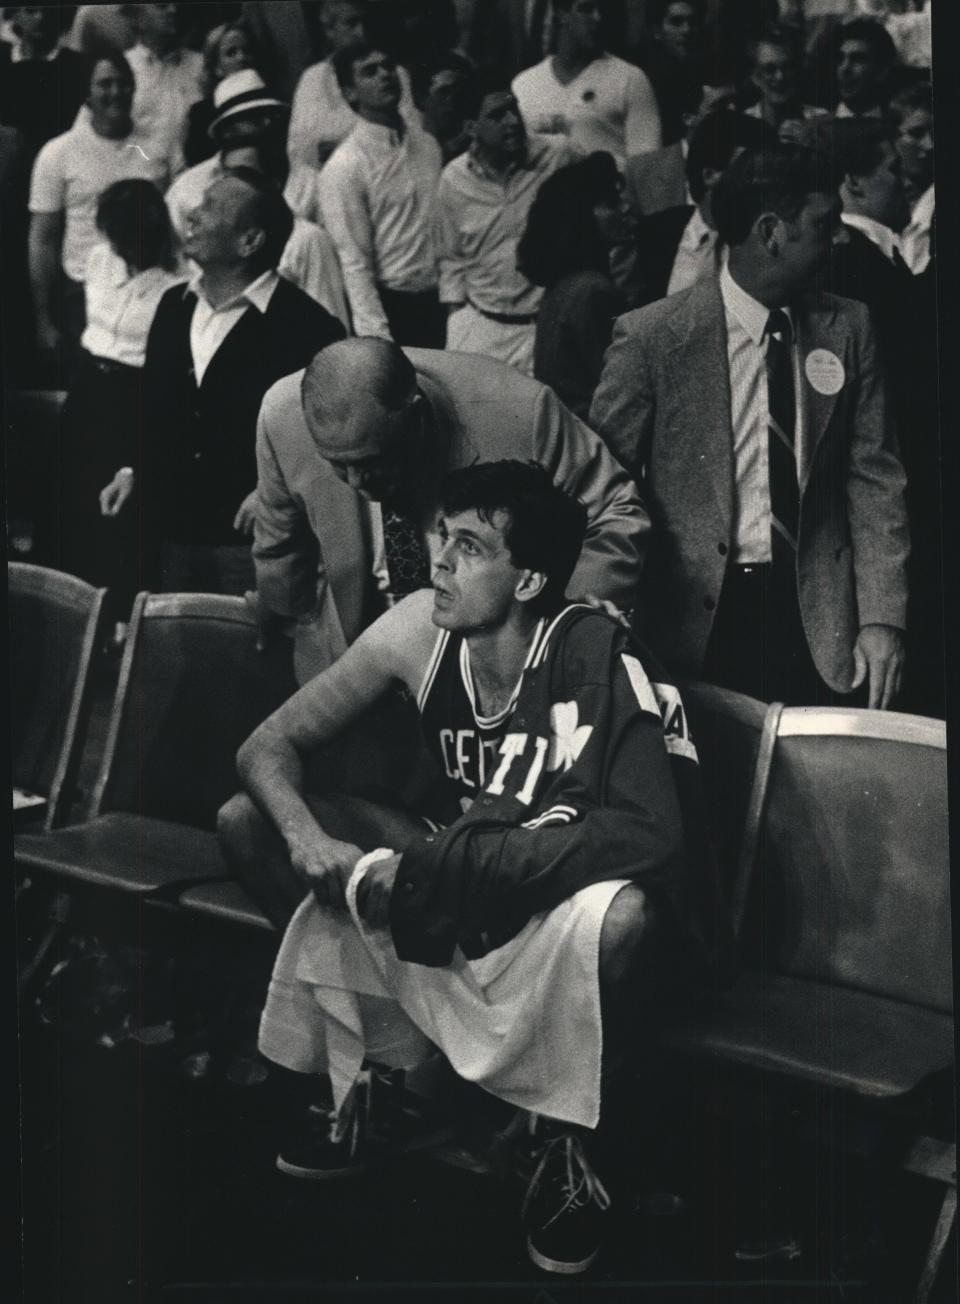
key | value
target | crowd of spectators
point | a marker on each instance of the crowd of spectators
(509, 180)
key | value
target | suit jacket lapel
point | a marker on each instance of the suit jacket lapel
(816, 329)
(701, 382)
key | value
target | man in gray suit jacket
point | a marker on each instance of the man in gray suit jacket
(753, 417)
(349, 456)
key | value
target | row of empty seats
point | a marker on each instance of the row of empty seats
(831, 826)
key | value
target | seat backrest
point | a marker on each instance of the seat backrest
(192, 687)
(55, 624)
(734, 738)
(852, 882)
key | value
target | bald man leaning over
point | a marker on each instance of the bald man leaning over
(350, 453)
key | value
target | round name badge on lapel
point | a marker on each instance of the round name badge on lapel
(825, 372)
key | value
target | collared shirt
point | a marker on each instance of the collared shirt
(844, 111)
(319, 115)
(165, 89)
(611, 106)
(300, 192)
(697, 255)
(915, 236)
(17, 55)
(73, 170)
(479, 221)
(878, 234)
(377, 195)
(210, 326)
(746, 322)
(121, 306)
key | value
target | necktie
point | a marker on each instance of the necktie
(782, 409)
(407, 563)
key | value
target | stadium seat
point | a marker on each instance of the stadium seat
(845, 909)
(192, 686)
(55, 629)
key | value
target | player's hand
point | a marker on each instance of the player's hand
(326, 864)
(246, 514)
(608, 608)
(878, 657)
(374, 890)
(115, 494)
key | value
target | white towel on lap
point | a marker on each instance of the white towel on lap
(523, 1022)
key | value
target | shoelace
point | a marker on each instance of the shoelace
(353, 1119)
(580, 1183)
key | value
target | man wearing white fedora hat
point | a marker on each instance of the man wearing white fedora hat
(249, 127)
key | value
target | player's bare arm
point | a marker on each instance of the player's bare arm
(395, 649)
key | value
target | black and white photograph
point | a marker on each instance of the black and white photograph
(480, 492)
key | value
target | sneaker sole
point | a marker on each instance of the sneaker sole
(556, 1265)
(365, 1165)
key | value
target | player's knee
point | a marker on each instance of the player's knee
(240, 827)
(628, 926)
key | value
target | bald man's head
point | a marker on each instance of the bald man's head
(365, 415)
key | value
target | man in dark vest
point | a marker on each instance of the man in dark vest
(215, 348)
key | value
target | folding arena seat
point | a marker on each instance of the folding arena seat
(192, 686)
(844, 896)
(55, 623)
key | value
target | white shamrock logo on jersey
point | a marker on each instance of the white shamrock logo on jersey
(569, 736)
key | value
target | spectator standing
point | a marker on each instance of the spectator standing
(70, 174)
(674, 62)
(214, 349)
(228, 48)
(864, 58)
(98, 27)
(250, 131)
(443, 88)
(658, 180)
(775, 72)
(42, 85)
(126, 277)
(169, 77)
(377, 195)
(912, 112)
(320, 116)
(599, 102)
(577, 218)
(482, 204)
(777, 562)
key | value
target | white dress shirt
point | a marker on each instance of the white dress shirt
(915, 236)
(746, 321)
(210, 326)
(878, 234)
(377, 196)
(611, 106)
(121, 306)
(696, 257)
(320, 115)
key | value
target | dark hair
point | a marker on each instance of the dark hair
(546, 525)
(784, 38)
(106, 54)
(657, 10)
(423, 71)
(133, 217)
(911, 99)
(270, 212)
(775, 180)
(345, 59)
(561, 234)
(850, 146)
(716, 138)
(872, 33)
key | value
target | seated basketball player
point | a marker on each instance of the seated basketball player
(536, 926)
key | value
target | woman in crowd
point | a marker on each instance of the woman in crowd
(228, 48)
(576, 219)
(127, 273)
(69, 176)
